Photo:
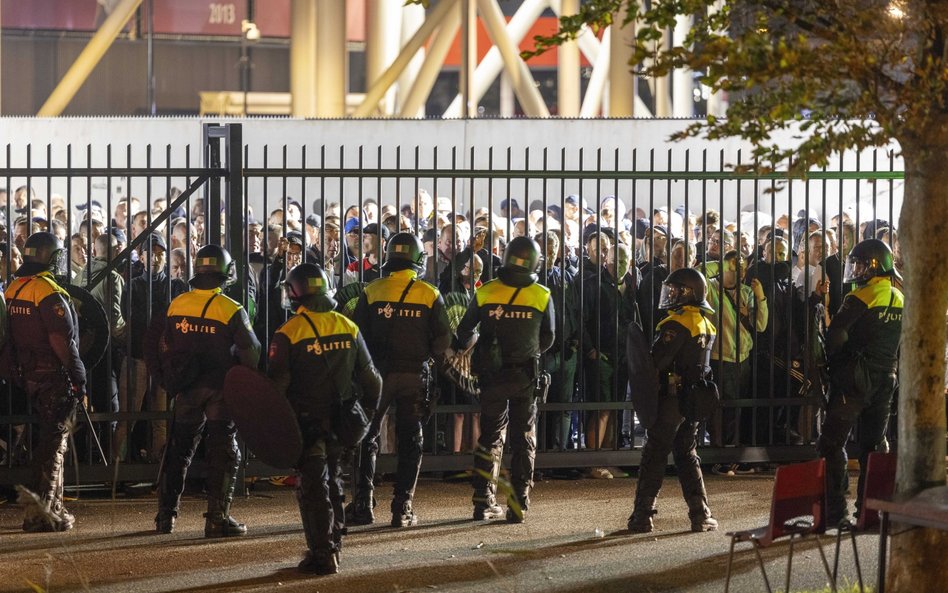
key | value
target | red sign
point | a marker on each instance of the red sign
(191, 17)
(70, 15)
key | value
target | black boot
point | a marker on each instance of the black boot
(641, 519)
(517, 508)
(700, 514)
(220, 524)
(403, 515)
(164, 521)
(320, 563)
(360, 511)
(487, 509)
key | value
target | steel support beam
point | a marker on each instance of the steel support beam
(683, 101)
(662, 86)
(413, 17)
(520, 77)
(378, 90)
(468, 58)
(621, 79)
(492, 64)
(80, 70)
(589, 45)
(567, 69)
(717, 102)
(592, 102)
(414, 102)
(382, 42)
(331, 72)
(303, 58)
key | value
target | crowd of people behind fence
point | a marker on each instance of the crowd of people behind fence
(604, 262)
(775, 310)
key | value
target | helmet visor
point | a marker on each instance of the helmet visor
(858, 269)
(57, 263)
(285, 301)
(674, 296)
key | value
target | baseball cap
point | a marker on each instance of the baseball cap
(352, 225)
(119, 235)
(511, 202)
(156, 239)
(295, 238)
(373, 229)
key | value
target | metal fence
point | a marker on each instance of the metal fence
(772, 387)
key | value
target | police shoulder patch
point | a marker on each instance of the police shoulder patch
(60, 309)
(668, 335)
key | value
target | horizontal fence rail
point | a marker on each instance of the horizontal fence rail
(276, 207)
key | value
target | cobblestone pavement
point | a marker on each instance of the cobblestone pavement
(559, 549)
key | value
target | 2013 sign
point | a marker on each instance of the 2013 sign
(222, 13)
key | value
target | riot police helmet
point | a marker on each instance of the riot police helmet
(42, 252)
(308, 285)
(869, 259)
(684, 286)
(520, 262)
(404, 252)
(213, 267)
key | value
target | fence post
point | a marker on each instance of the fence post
(212, 134)
(237, 219)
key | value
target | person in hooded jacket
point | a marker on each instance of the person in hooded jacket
(560, 360)
(608, 306)
(151, 293)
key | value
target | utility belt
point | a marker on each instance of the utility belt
(32, 370)
(533, 369)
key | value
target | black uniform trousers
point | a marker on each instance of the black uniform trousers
(320, 495)
(507, 403)
(56, 409)
(842, 414)
(193, 410)
(407, 392)
(673, 434)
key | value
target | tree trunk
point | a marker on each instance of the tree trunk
(917, 555)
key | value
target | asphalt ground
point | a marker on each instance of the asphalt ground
(558, 549)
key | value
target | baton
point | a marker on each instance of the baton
(95, 436)
(85, 412)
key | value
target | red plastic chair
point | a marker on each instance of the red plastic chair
(879, 483)
(796, 510)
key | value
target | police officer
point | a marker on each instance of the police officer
(206, 333)
(681, 352)
(516, 325)
(315, 357)
(862, 347)
(405, 323)
(44, 336)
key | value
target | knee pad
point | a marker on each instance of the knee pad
(222, 440)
